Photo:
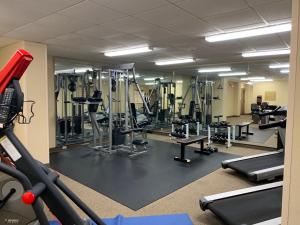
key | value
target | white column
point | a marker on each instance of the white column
(291, 194)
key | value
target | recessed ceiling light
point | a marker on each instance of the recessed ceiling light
(250, 32)
(285, 71)
(279, 65)
(266, 53)
(232, 74)
(179, 81)
(128, 51)
(253, 78)
(175, 61)
(214, 69)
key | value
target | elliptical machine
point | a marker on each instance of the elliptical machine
(40, 184)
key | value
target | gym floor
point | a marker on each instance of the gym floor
(184, 200)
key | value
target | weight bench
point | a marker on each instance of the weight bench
(218, 117)
(188, 141)
(240, 127)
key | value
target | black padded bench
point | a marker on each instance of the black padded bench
(218, 117)
(240, 127)
(189, 141)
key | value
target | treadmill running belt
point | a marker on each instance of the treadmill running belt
(250, 208)
(259, 163)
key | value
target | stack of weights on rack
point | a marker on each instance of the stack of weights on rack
(220, 135)
(180, 129)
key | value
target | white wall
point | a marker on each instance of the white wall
(279, 86)
(231, 98)
(35, 136)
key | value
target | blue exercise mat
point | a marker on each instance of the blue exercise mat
(174, 219)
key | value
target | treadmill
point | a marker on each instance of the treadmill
(267, 166)
(259, 205)
(255, 205)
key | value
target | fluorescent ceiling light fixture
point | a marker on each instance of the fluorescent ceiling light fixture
(175, 61)
(265, 80)
(279, 65)
(150, 83)
(266, 53)
(285, 71)
(249, 83)
(128, 51)
(250, 33)
(152, 78)
(214, 69)
(253, 78)
(232, 74)
(130, 76)
(64, 71)
(179, 81)
(83, 69)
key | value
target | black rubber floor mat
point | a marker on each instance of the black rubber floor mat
(259, 136)
(140, 181)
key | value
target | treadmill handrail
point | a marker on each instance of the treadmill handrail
(265, 174)
(281, 167)
(275, 221)
(226, 162)
(208, 199)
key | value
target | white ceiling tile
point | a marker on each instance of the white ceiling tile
(191, 27)
(84, 43)
(74, 40)
(175, 42)
(97, 31)
(84, 29)
(205, 8)
(257, 2)
(263, 42)
(129, 25)
(279, 10)
(128, 39)
(286, 37)
(59, 24)
(47, 6)
(236, 19)
(15, 13)
(91, 12)
(131, 7)
(155, 34)
(32, 32)
(176, 1)
(165, 16)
